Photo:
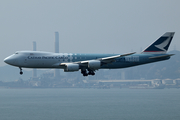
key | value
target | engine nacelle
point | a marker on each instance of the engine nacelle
(71, 67)
(94, 64)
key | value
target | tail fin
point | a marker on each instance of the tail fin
(161, 45)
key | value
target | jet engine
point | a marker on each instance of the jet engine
(94, 64)
(71, 67)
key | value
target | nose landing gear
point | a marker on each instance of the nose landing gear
(20, 70)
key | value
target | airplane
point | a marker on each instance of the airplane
(89, 63)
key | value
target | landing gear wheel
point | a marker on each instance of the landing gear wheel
(84, 72)
(20, 70)
(91, 73)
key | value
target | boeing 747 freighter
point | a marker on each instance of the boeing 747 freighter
(89, 63)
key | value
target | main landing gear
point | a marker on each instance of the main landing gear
(84, 72)
(20, 70)
(91, 73)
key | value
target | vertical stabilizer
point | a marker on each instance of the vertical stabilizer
(161, 45)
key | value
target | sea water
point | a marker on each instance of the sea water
(89, 104)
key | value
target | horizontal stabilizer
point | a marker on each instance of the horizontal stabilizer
(162, 56)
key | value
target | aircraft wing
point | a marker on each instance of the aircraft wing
(104, 60)
(91, 65)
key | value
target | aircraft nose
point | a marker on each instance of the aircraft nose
(10, 60)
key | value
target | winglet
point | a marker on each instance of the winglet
(161, 45)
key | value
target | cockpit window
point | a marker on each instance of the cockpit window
(16, 53)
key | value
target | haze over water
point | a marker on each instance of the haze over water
(89, 104)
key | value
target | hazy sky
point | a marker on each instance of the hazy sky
(86, 26)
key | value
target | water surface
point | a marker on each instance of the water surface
(89, 104)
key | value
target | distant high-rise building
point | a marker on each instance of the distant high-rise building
(34, 70)
(56, 71)
(56, 42)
